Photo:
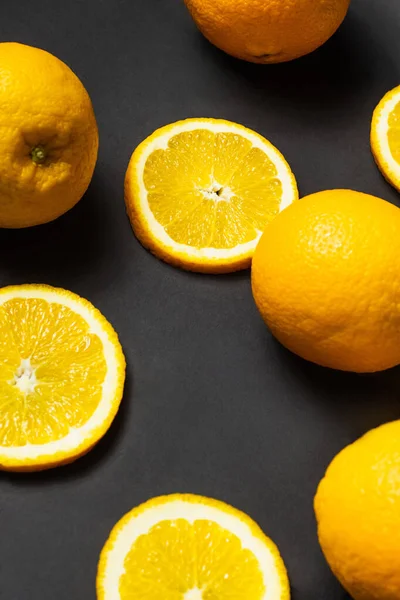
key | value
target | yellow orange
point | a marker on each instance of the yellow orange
(268, 31)
(358, 512)
(325, 279)
(49, 138)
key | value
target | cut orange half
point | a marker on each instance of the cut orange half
(385, 137)
(62, 374)
(200, 192)
(185, 547)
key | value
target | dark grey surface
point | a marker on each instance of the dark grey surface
(213, 405)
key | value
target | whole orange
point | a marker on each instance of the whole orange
(49, 138)
(268, 31)
(326, 279)
(358, 512)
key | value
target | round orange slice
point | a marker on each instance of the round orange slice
(385, 136)
(62, 373)
(200, 192)
(185, 547)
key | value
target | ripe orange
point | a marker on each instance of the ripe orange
(268, 31)
(49, 137)
(326, 280)
(358, 512)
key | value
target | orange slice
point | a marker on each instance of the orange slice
(185, 547)
(200, 192)
(385, 137)
(62, 374)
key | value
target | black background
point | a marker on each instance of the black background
(213, 405)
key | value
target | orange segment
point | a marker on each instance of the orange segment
(230, 150)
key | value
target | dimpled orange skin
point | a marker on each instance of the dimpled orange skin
(325, 278)
(48, 137)
(358, 512)
(268, 31)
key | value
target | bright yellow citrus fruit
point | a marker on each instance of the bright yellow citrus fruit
(385, 136)
(200, 192)
(49, 139)
(325, 279)
(358, 512)
(185, 547)
(62, 374)
(268, 31)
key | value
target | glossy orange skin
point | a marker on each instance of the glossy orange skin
(268, 31)
(43, 105)
(325, 278)
(358, 512)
